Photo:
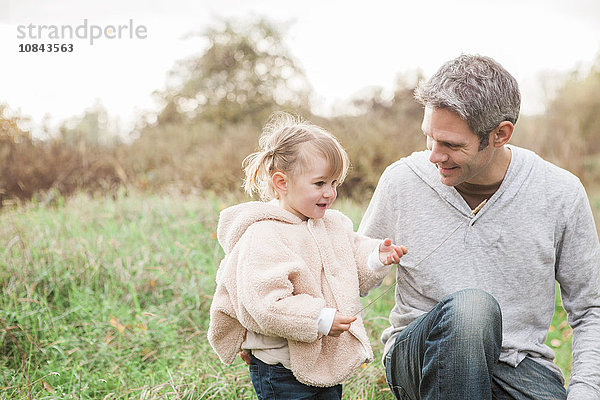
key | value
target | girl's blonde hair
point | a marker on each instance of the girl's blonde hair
(287, 144)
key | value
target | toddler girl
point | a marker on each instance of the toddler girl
(289, 286)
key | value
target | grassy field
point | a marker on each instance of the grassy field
(109, 299)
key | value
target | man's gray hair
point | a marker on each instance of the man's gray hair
(478, 89)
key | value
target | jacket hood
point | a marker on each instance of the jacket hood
(234, 221)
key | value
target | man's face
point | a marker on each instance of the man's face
(455, 148)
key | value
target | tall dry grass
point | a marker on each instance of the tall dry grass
(32, 169)
(196, 155)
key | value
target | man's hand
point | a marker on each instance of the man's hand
(341, 323)
(390, 253)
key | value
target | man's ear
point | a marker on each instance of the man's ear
(280, 182)
(502, 134)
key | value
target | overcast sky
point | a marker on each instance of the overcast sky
(343, 46)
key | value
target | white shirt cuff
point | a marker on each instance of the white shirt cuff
(326, 320)
(373, 262)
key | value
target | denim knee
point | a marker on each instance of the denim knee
(473, 312)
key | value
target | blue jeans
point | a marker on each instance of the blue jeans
(452, 352)
(275, 382)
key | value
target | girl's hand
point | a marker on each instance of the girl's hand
(341, 323)
(242, 353)
(245, 356)
(390, 253)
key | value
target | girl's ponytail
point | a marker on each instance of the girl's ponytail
(257, 167)
(287, 144)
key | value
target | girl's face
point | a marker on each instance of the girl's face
(310, 193)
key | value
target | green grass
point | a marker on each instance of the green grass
(109, 299)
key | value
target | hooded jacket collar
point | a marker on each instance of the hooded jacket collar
(235, 220)
(419, 163)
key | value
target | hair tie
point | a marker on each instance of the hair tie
(271, 153)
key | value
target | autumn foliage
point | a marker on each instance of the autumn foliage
(214, 106)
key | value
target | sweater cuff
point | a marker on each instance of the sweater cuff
(373, 262)
(577, 391)
(325, 320)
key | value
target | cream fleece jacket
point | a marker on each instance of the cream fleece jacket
(278, 273)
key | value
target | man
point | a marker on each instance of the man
(475, 293)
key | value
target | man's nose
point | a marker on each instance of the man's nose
(437, 154)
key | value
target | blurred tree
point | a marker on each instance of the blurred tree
(12, 139)
(92, 128)
(57, 165)
(575, 108)
(572, 123)
(386, 128)
(10, 125)
(246, 72)
(400, 105)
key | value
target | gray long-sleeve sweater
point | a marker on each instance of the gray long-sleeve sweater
(537, 228)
